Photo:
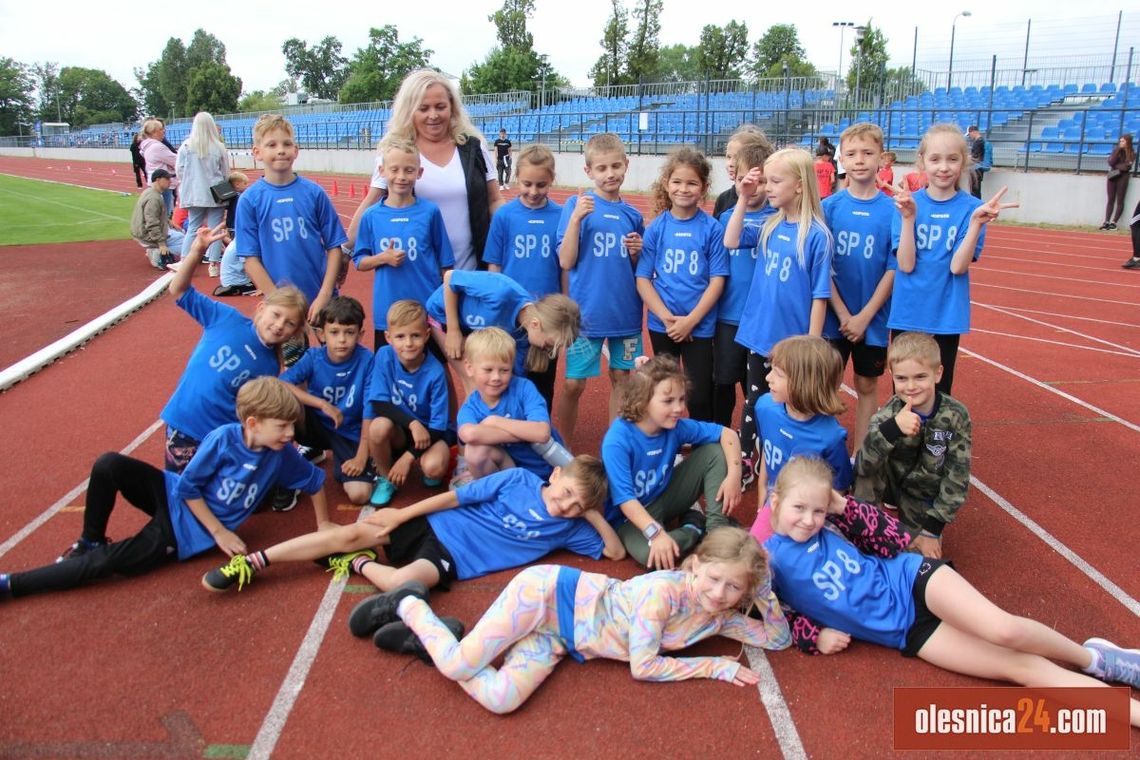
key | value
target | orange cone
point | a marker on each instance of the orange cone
(351, 190)
(335, 189)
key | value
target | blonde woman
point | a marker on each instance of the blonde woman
(203, 162)
(157, 154)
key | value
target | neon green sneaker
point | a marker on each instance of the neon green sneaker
(238, 570)
(340, 565)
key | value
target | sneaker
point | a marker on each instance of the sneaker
(340, 565)
(1117, 663)
(380, 609)
(747, 472)
(154, 257)
(81, 547)
(382, 492)
(1103, 226)
(1132, 264)
(1110, 226)
(461, 477)
(224, 291)
(398, 637)
(214, 269)
(694, 520)
(238, 571)
(432, 482)
(314, 456)
(283, 499)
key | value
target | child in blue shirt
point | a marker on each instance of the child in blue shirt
(335, 377)
(409, 405)
(647, 489)
(797, 416)
(940, 230)
(401, 238)
(599, 240)
(750, 149)
(504, 520)
(860, 218)
(788, 296)
(504, 416)
(233, 349)
(193, 512)
(681, 273)
(287, 229)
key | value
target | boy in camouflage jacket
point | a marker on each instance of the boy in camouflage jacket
(916, 456)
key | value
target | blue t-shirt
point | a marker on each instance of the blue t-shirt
(418, 231)
(228, 354)
(639, 466)
(830, 581)
(680, 257)
(502, 522)
(862, 233)
(290, 228)
(741, 267)
(602, 281)
(932, 299)
(343, 385)
(783, 437)
(523, 241)
(782, 291)
(487, 299)
(520, 401)
(232, 479)
(422, 393)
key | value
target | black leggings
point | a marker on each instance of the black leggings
(144, 487)
(1134, 227)
(1117, 188)
(730, 368)
(757, 386)
(696, 357)
(948, 349)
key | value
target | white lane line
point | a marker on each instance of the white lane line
(67, 184)
(68, 497)
(1038, 263)
(1062, 316)
(1057, 277)
(975, 283)
(1045, 255)
(1015, 336)
(25, 199)
(1119, 348)
(286, 698)
(773, 699)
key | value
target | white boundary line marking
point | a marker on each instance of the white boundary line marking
(1057, 277)
(1016, 336)
(975, 283)
(777, 707)
(32, 199)
(278, 714)
(68, 184)
(1059, 315)
(1086, 336)
(68, 497)
(1034, 262)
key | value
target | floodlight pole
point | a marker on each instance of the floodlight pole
(953, 29)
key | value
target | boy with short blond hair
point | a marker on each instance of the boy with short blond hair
(916, 456)
(409, 406)
(287, 229)
(599, 239)
(863, 270)
(402, 238)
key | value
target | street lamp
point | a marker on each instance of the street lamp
(843, 26)
(953, 28)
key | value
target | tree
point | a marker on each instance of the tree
(868, 71)
(165, 84)
(641, 61)
(149, 91)
(510, 23)
(321, 69)
(377, 70)
(722, 50)
(46, 78)
(16, 103)
(610, 67)
(677, 63)
(212, 88)
(780, 45)
(259, 100)
(91, 96)
(173, 76)
(513, 64)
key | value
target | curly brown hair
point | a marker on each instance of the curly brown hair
(643, 381)
(690, 157)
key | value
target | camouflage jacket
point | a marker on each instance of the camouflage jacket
(926, 475)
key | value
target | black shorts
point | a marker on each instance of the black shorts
(868, 361)
(925, 621)
(416, 540)
(448, 437)
(318, 436)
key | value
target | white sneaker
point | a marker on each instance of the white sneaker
(213, 269)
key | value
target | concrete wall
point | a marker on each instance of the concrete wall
(1051, 197)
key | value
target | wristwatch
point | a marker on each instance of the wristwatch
(651, 531)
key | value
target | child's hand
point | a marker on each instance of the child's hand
(663, 552)
(855, 327)
(393, 257)
(632, 243)
(909, 422)
(831, 641)
(991, 209)
(838, 503)
(334, 414)
(420, 437)
(386, 519)
(729, 494)
(680, 329)
(398, 473)
(355, 466)
(744, 676)
(930, 546)
(229, 542)
(453, 343)
(750, 185)
(584, 206)
(904, 202)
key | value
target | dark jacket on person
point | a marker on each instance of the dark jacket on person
(478, 202)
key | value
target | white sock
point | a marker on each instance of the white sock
(1096, 667)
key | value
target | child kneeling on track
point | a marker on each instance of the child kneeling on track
(900, 599)
(408, 394)
(916, 456)
(502, 521)
(549, 612)
(192, 512)
(648, 490)
(233, 349)
(336, 377)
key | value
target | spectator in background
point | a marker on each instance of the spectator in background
(824, 171)
(203, 162)
(503, 159)
(138, 163)
(977, 159)
(1119, 170)
(156, 155)
(150, 224)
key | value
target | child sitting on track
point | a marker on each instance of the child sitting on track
(858, 582)
(550, 612)
(192, 512)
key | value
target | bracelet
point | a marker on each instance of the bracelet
(928, 534)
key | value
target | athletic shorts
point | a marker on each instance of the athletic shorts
(416, 540)
(925, 622)
(448, 437)
(868, 361)
(584, 357)
(318, 436)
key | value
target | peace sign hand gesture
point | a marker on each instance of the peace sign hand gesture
(992, 208)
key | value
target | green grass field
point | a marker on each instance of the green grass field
(34, 212)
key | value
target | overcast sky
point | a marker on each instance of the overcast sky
(119, 36)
